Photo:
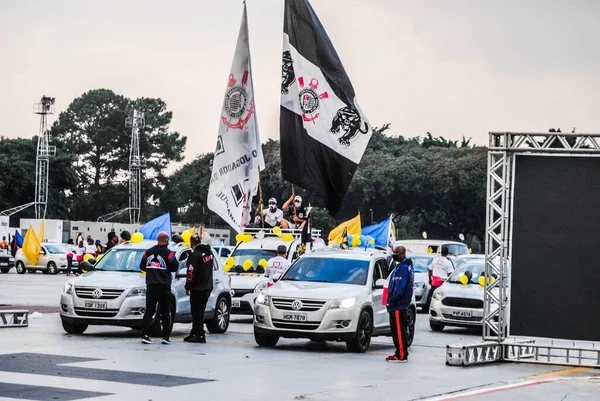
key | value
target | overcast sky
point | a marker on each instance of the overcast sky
(453, 68)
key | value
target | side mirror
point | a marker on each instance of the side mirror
(379, 284)
(276, 277)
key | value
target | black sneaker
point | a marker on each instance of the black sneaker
(166, 341)
(147, 340)
(197, 339)
(188, 338)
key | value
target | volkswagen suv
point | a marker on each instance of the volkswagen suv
(330, 295)
(114, 293)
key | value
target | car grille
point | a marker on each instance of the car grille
(107, 293)
(462, 318)
(284, 324)
(241, 293)
(463, 302)
(308, 305)
(96, 312)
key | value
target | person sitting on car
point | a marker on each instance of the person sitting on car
(273, 216)
(297, 213)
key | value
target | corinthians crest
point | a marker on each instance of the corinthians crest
(309, 99)
(236, 105)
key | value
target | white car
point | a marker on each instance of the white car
(223, 251)
(52, 258)
(330, 295)
(114, 293)
(421, 262)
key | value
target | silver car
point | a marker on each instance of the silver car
(421, 262)
(330, 295)
(114, 293)
(53, 257)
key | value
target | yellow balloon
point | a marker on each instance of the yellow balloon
(481, 281)
(356, 241)
(247, 238)
(430, 250)
(247, 265)
(229, 262)
(87, 257)
(277, 231)
(464, 279)
(240, 237)
(262, 262)
(99, 257)
(186, 237)
(287, 237)
(228, 268)
(137, 237)
(470, 250)
(371, 241)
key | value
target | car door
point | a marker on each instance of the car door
(44, 258)
(183, 301)
(220, 282)
(381, 319)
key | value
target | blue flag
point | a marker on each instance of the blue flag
(19, 239)
(380, 231)
(153, 227)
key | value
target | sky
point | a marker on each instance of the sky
(453, 68)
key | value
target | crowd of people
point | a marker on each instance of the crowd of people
(76, 250)
(295, 211)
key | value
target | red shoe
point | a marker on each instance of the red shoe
(392, 358)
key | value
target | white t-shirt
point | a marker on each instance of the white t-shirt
(90, 248)
(273, 218)
(277, 264)
(441, 267)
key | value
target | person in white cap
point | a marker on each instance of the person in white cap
(296, 211)
(273, 216)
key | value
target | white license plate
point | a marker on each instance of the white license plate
(295, 317)
(95, 305)
(236, 303)
(3, 264)
(461, 313)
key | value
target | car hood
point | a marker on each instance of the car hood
(309, 290)
(422, 278)
(474, 291)
(110, 279)
(246, 282)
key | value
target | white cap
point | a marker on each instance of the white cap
(273, 200)
(298, 198)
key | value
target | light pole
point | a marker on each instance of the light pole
(371, 211)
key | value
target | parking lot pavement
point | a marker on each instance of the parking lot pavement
(41, 362)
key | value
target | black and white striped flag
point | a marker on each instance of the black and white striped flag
(323, 131)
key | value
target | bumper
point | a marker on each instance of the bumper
(421, 294)
(247, 303)
(448, 315)
(122, 311)
(7, 264)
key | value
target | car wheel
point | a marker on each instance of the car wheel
(31, 271)
(52, 268)
(20, 267)
(436, 326)
(265, 340)
(362, 339)
(411, 319)
(74, 328)
(220, 323)
(5, 270)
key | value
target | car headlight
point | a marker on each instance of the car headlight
(438, 294)
(137, 292)
(262, 299)
(260, 286)
(345, 303)
(11, 259)
(63, 259)
(68, 288)
(420, 284)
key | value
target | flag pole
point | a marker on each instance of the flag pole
(260, 200)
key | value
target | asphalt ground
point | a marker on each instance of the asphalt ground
(42, 362)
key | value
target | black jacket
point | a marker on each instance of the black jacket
(158, 262)
(200, 269)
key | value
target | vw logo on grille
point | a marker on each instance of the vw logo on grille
(297, 305)
(97, 293)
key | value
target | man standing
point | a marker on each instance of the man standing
(400, 292)
(278, 264)
(158, 262)
(439, 270)
(113, 240)
(198, 285)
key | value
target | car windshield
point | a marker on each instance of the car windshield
(329, 270)
(56, 249)
(472, 270)
(240, 256)
(421, 264)
(121, 260)
(458, 262)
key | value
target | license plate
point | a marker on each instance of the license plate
(461, 313)
(3, 264)
(295, 317)
(236, 303)
(95, 305)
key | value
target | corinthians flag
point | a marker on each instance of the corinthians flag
(238, 157)
(324, 133)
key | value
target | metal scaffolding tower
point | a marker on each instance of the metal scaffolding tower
(44, 152)
(136, 163)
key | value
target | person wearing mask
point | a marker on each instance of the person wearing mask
(439, 270)
(158, 263)
(198, 286)
(296, 211)
(278, 264)
(70, 255)
(125, 236)
(113, 240)
(400, 293)
(273, 216)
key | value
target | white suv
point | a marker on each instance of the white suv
(114, 293)
(330, 295)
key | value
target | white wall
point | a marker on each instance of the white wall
(52, 229)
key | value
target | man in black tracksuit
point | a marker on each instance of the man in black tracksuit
(158, 262)
(198, 285)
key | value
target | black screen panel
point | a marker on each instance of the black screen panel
(555, 272)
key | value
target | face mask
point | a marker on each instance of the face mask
(297, 204)
(272, 207)
(397, 258)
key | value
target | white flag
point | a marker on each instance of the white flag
(238, 156)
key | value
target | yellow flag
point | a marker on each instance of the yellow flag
(354, 228)
(40, 236)
(191, 230)
(31, 246)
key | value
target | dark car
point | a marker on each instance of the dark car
(6, 262)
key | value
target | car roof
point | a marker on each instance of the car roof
(147, 244)
(345, 253)
(264, 243)
(421, 255)
(426, 241)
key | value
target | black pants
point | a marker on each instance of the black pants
(69, 264)
(198, 300)
(161, 294)
(399, 328)
(430, 294)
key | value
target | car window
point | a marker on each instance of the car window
(421, 264)
(56, 249)
(225, 252)
(240, 256)
(472, 270)
(329, 270)
(127, 260)
(457, 249)
(380, 270)
(216, 262)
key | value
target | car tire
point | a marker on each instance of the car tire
(5, 270)
(362, 339)
(74, 328)
(220, 323)
(20, 267)
(44, 271)
(31, 271)
(265, 340)
(52, 268)
(435, 326)
(411, 320)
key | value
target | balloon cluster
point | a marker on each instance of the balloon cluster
(482, 280)
(464, 279)
(229, 263)
(286, 237)
(358, 240)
